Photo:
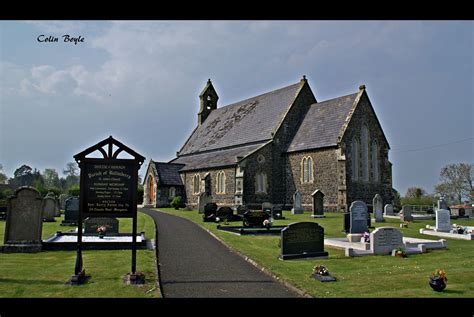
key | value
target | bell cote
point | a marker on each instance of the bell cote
(208, 99)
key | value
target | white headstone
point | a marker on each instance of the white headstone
(443, 220)
(384, 239)
(297, 204)
(388, 209)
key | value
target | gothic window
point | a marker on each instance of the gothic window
(221, 182)
(364, 139)
(261, 182)
(355, 159)
(307, 169)
(196, 183)
(172, 192)
(375, 161)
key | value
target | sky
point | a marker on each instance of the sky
(139, 81)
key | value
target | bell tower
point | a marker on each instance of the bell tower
(208, 99)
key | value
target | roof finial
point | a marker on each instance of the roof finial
(303, 79)
(361, 87)
(209, 81)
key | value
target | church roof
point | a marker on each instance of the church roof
(322, 124)
(168, 173)
(248, 121)
(218, 158)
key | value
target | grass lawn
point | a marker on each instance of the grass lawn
(370, 276)
(44, 274)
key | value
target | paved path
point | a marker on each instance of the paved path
(195, 264)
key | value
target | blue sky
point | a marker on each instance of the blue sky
(140, 80)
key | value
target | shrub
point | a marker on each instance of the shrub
(176, 202)
(74, 190)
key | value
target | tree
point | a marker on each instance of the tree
(23, 176)
(51, 178)
(415, 192)
(456, 181)
(3, 176)
(71, 169)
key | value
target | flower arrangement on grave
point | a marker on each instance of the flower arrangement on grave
(218, 219)
(320, 270)
(400, 252)
(366, 237)
(101, 231)
(460, 229)
(438, 280)
(267, 223)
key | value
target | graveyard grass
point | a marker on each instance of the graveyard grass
(45, 274)
(369, 276)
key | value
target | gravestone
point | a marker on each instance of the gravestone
(302, 240)
(318, 204)
(3, 209)
(347, 222)
(442, 204)
(210, 212)
(92, 223)
(71, 212)
(203, 199)
(24, 223)
(49, 209)
(296, 210)
(225, 213)
(267, 207)
(443, 220)
(62, 201)
(358, 217)
(377, 204)
(241, 209)
(406, 213)
(388, 209)
(255, 219)
(277, 212)
(385, 239)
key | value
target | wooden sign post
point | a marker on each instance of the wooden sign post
(108, 188)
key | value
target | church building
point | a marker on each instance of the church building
(267, 147)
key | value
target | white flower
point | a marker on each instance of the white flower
(218, 219)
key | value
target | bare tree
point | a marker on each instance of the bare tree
(456, 181)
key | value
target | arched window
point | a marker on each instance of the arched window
(220, 182)
(261, 182)
(196, 183)
(307, 169)
(172, 192)
(355, 159)
(375, 161)
(364, 140)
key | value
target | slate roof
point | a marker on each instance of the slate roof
(322, 124)
(247, 121)
(216, 158)
(168, 173)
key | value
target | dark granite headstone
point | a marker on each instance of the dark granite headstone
(302, 240)
(71, 211)
(347, 222)
(267, 207)
(91, 225)
(225, 213)
(241, 209)
(359, 219)
(255, 219)
(318, 204)
(210, 212)
(277, 212)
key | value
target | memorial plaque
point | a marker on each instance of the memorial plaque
(302, 240)
(108, 188)
(358, 218)
(384, 239)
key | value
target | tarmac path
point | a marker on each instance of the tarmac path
(193, 264)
